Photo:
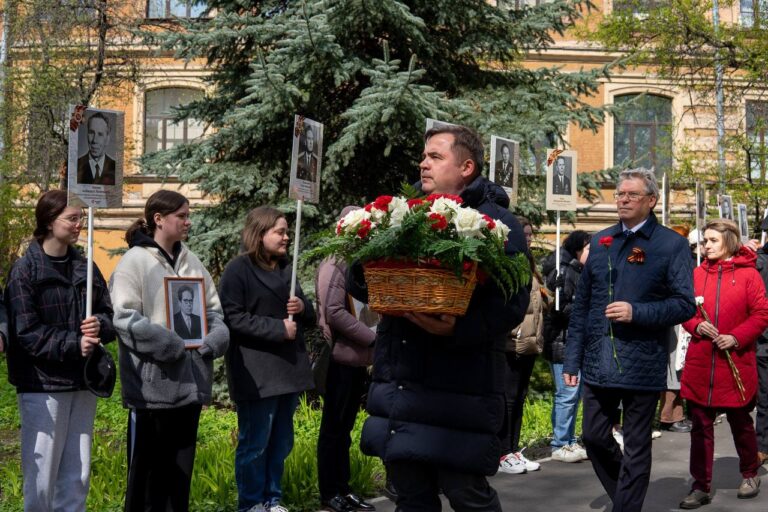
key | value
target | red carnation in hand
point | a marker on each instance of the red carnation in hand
(382, 202)
(606, 241)
(490, 221)
(365, 228)
(439, 222)
(432, 197)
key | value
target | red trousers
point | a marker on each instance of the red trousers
(703, 441)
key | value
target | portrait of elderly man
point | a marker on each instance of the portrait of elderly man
(436, 432)
(561, 180)
(504, 169)
(185, 322)
(96, 167)
(636, 285)
(306, 166)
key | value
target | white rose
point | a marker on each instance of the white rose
(699, 300)
(501, 230)
(398, 208)
(445, 207)
(377, 215)
(468, 223)
(351, 221)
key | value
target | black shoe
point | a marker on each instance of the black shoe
(389, 491)
(682, 426)
(337, 504)
(696, 499)
(358, 503)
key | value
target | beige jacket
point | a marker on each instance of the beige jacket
(527, 338)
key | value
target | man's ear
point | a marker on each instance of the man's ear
(468, 169)
(654, 200)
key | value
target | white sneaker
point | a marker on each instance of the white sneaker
(529, 464)
(512, 464)
(618, 435)
(580, 451)
(566, 454)
(655, 434)
(277, 508)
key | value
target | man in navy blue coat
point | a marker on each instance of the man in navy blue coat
(636, 285)
(436, 403)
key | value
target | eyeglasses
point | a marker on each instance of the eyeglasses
(73, 219)
(631, 196)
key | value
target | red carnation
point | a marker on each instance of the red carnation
(606, 241)
(414, 202)
(365, 228)
(490, 221)
(439, 222)
(382, 202)
(368, 207)
(432, 197)
(338, 227)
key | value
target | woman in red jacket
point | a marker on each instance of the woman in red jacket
(734, 312)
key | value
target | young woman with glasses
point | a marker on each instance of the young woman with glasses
(50, 340)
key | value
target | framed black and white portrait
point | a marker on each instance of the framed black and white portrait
(185, 309)
(726, 207)
(561, 180)
(307, 160)
(743, 222)
(95, 161)
(505, 165)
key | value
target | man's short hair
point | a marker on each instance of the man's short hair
(466, 143)
(99, 115)
(504, 145)
(648, 177)
(184, 288)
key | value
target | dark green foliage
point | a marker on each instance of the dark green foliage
(371, 71)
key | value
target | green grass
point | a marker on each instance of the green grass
(213, 482)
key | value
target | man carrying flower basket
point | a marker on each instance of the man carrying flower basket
(636, 285)
(436, 402)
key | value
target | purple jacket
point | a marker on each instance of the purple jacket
(352, 339)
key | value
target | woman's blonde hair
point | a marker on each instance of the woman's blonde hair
(730, 232)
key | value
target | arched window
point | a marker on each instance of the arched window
(642, 132)
(160, 130)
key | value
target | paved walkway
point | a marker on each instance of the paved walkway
(574, 487)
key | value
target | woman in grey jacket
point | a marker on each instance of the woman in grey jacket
(267, 362)
(164, 383)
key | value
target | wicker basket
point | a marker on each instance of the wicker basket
(420, 290)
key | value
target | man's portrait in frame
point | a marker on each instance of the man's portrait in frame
(185, 309)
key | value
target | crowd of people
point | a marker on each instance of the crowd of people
(447, 393)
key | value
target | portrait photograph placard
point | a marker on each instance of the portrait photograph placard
(505, 165)
(95, 157)
(701, 203)
(743, 222)
(185, 309)
(436, 123)
(561, 180)
(306, 160)
(725, 203)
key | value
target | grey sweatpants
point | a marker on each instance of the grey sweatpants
(56, 433)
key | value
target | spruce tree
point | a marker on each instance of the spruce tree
(372, 71)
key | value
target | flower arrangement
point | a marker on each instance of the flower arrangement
(607, 241)
(435, 232)
(734, 371)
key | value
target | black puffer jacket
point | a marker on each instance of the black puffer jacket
(556, 322)
(45, 311)
(440, 399)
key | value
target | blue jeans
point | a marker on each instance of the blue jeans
(264, 441)
(564, 409)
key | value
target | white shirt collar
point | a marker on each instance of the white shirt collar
(93, 163)
(636, 228)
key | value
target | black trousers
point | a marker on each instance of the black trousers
(761, 423)
(624, 477)
(419, 484)
(516, 381)
(161, 454)
(345, 386)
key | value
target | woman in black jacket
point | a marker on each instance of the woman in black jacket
(573, 255)
(267, 362)
(50, 340)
